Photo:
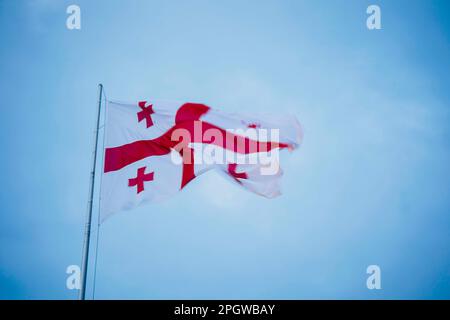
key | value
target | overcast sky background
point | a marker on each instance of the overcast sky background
(370, 184)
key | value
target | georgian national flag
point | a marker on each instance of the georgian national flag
(148, 157)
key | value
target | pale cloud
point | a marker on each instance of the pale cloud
(36, 12)
(217, 191)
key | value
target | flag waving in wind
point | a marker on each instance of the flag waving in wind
(153, 149)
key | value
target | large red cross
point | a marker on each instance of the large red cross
(140, 179)
(119, 157)
(145, 113)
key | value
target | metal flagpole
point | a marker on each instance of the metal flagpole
(87, 232)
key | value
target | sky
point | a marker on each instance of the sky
(368, 186)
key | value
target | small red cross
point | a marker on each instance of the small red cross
(140, 179)
(234, 174)
(145, 113)
(251, 125)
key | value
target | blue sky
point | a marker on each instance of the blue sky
(370, 184)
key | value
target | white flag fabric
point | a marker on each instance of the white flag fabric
(153, 149)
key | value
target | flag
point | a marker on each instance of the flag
(153, 149)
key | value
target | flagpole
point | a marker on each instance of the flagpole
(87, 232)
